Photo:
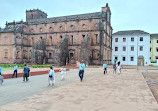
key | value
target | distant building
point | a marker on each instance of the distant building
(153, 47)
(58, 40)
(131, 47)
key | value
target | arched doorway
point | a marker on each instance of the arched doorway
(140, 61)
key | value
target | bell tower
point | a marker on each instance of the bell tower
(35, 14)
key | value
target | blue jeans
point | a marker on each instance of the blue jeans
(15, 71)
(105, 71)
(81, 73)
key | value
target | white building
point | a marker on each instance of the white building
(131, 47)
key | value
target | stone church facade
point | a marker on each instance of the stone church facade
(58, 40)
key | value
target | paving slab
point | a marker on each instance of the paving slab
(112, 92)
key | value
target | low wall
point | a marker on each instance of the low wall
(6, 76)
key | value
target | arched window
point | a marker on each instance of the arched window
(50, 28)
(41, 29)
(72, 27)
(31, 16)
(17, 55)
(83, 26)
(51, 40)
(61, 27)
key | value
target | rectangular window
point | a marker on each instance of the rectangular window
(132, 58)
(141, 48)
(141, 38)
(96, 35)
(124, 58)
(132, 48)
(150, 49)
(50, 55)
(116, 48)
(71, 55)
(124, 48)
(157, 49)
(132, 39)
(124, 39)
(116, 39)
(72, 38)
(157, 41)
(83, 36)
(116, 58)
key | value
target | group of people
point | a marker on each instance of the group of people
(51, 78)
(26, 73)
(117, 67)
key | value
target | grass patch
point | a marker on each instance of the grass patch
(155, 66)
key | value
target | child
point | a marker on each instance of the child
(63, 73)
(105, 68)
(51, 76)
(1, 79)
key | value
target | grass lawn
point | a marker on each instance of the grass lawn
(5, 69)
(155, 66)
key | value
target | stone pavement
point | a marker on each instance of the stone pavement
(125, 92)
(15, 89)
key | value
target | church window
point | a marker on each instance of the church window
(41, 29)
(83, 26)
(61, 27)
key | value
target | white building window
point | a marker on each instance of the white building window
(116, 48)
(124, 39)
(123, 58)
(132, 39)
(132, 48)
(141, 48)
(141, 38)
(116, 39)
(124, 49)
(157, 41)
(132, 58)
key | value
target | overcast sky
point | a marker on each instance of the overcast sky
(126, 14)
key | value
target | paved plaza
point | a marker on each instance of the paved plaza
(125, 92)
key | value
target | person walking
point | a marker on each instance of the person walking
(114, 67)
(63, 73)
(51, 76)
(81, 70)
(119, 67)
(25, 73)
(1, 77)
(105, 67)
(15, 70)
